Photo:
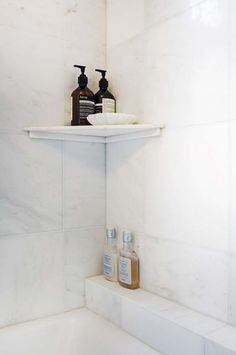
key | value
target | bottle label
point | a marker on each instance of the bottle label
(108, 264)
(86, 107)
(125, 270)
(108, 105)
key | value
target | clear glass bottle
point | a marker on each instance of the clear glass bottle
(110, 256)
(128, 263)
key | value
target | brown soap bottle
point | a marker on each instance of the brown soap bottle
(82, 101)
(128, 263)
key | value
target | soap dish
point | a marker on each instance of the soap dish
(111, 119)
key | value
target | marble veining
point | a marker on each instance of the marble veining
(48, 197)
(32, 278)
(31, 192)
(184, 191)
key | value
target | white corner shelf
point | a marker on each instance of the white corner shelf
(96, 134)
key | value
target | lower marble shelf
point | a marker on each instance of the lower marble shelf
(164, 325)
(96, 134)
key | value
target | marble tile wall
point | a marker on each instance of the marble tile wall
(52, 204)
(174, 65)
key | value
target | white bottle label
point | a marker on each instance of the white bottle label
(125, 270)
(108, 105)
(108, 264)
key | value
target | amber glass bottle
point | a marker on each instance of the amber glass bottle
(82, 101)
(128, 263)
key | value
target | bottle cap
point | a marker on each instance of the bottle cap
(103, 83)
(127, 237)
(82, 79)
(111, 233)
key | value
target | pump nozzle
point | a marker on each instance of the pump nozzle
(82, 79)
(103, 83)
(103, 72)
(81, 67)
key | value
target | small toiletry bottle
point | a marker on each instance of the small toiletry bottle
(128, 263)
(110, 256)
(104, 100)
(82, 100)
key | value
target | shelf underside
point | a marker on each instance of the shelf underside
(96, 134)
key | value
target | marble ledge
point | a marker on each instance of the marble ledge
(159, 320)
(95, 134)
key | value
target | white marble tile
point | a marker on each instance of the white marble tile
(232, 136)
(125, 185)
(187, 67)
(232, 241)
(178, 272)
(30, 175)
(215, 349)
(221, 342)
(85, 22)
(44, 17)
(84, 185)
(85, 44)
(159, 333)
(32, 276)
(103, 301)
(126, 73)
(232, 291)
(71, 333)
(232, 59)
(29, 95)
(83, 258)
(94, 335)
(198, 323)
(44, 39)
(186, 186)
(157, 11)
(182, 316)
(125, 20)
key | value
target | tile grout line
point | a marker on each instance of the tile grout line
(105, 177)
(62, 224)
(98, 226)
(62, 184)
(229, 44)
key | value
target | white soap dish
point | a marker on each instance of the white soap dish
(111, 119)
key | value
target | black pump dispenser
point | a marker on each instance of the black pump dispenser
(104, 100)
(82, 79)
(82, 100)
(103, 83)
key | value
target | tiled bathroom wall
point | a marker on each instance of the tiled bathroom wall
(52, 193)
(174, 65)
(170, 62)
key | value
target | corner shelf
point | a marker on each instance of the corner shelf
(95, 134)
